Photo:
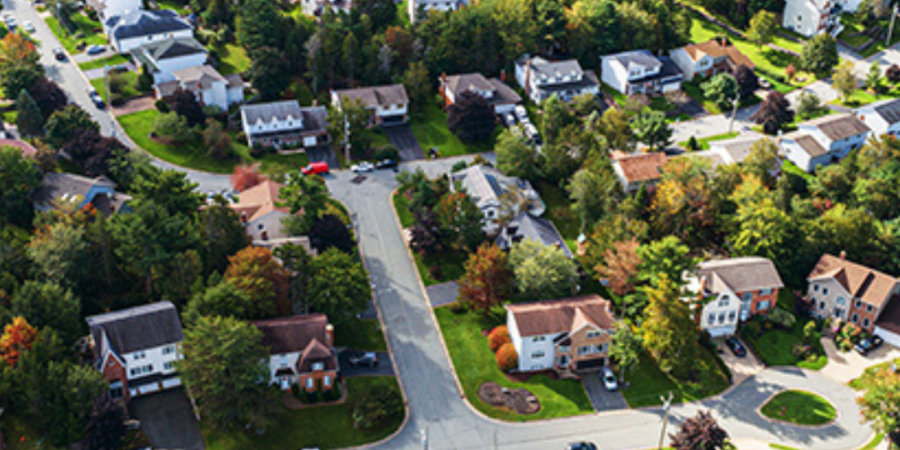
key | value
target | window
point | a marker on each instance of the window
(169, 349)
(318, 366)
(139, 355)
(594, 334)
(869, 308)
(858, 304)
(586, 349)
(854, 318)
(537, 355)
(115, 389)
(821, 305)
(538, 339)
(747, 296)
(260, 227)
(762, 306)
(169, 365)
(866, 322)
(712, 318)
(310, 383)
(326, 381)
(723, 301)
(824, 291)
(731, 316)
(816, 287)
(768, 291)
(721, 317)
(841, 301)
(282, 361)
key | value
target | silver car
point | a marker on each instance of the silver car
(609, 379)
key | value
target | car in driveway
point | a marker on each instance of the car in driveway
(96, 99)
(363, 359)
(868, 344)
(59, 54)
(362, 167)
(96, 49)
(521, 114)
(11, 23)
(581, 446)
(736, 347)
(28, 26)
(609, 379)
(386, 164)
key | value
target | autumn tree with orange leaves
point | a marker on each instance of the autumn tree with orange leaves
(256, 272)
(683, 204)
(17, 338)
(245, 177)
(620, 265)
(487, 279)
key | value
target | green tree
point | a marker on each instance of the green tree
(461, 220)
(665, 259)
(382, 12)
(763, 160)
(224, 361)
(809, 105)
(170, 189)
(16, 76)
(551, 22)
(542, 271)
(173, 127)
(615, 126)
(669, 332)
(222, 299)
(18, 178)
(515, 157)
(763, 27)
(299, 264)
(259, 25)
(46, 304)
(879, 403)
(487, 279)
(29, 119)
(650, 127)
(418, 86)
(721, 89)
(874, 79)
(555, 118)
(221, 234)
(820, 55)
(308, 195)
(844, 81)
(626, 348)
(339, 287)
(61, 255)
(269, 72)
(352, 113)
(593, 194)
(217, 140)
(760, 227)
(63, 124)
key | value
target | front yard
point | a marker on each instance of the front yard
(475, 365)
(324, 427)
(84, 26)
(110, 61)
(799, 407)
(704, 142)
(646, 383)
(862, 97)
(776, 347)
(363, 334)
(430, 129)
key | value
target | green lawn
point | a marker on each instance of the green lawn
(475, 365)
(862, 97)
(693, 89)
(430, 129)
(789, 167)
(775, 347)
(704, 142)
(851, 26)
(401, 204)
(325, 427)
(361, 335)
(99, 63)
(128, 87)
(646, 383)
(83, 24)
(174, 5)
(799, 407)
(10, 116)
(232, 59)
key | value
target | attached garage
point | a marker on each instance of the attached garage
(888, 324)
(171, 382)
(589, 364)
(889, 336)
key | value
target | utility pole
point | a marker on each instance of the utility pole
(346, 140)
(887, 43)
(737, 100)
(667, 404)
(425, 438)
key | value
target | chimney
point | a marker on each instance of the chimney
(843, 254)
(329, 334)
(503, 75)
(315, 102)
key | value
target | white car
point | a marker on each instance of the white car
(362, 167)
(521, 113)
(609, 379)
(28, 26)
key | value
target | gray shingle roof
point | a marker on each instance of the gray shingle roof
(738, 148)
(889, 111)
(55, 185)
(480, 183)
(169, 48)
(144, 23)
(267, 111)
(641, 58)
(541, 66)
(373, 96)
(530, 227)
(745, 274)
(139, 328)
(837, 127)
(810, 145)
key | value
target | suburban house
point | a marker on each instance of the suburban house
(542, 79)
(135, 349)
(527, 226)
(139, 27)
(317, 8)
(824, 141)
(733, 290)
(709, 58)
(730, 151)
(162, 58)
(259, 211)
(494, 193)
(811, 17)
(389, 104)
(98, 192)
(27, 149)
(635, 170)
(207, 84)
(844, 290)
(285, 123)
(882, 117)
(301, 351)
(500, 96)
(110, 8)
(416, 6)
(640, 72)
(566, 335)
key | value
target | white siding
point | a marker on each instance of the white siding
(613, 74)
(270, 223)
(150, 357)
(282, 361)
(888, 336)
(801, 16)
(817, 291)
(877, 123)
(170, 65)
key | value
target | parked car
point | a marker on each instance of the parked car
(316, 168)
(59, 54)
(386, 164)
(362, 167)
(521, 114)
(609, 379)
(96, 99)
(736, 347)
(868, 344)
(96, 49)
(581, 446)
(509, 119)
(364, 359)
(28, 26)
(11, 23)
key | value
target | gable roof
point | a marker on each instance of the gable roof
(457, 84)
(636, 58)
(260, 200)
(374, 96)
(272, 110)
(563, 315)
(139, 328)
(837, 127)
(889, 110)
(716, 49)
(737, 149)
(293, 333)
(867, 284)
(199, 77)
(482, 183)
(56, 185)
(550, 69)
(145, 23)
(531, 227)
(27, 150)
(167, 49)
(644, 167)
(889, 319)
(807, 143)
(746, 274)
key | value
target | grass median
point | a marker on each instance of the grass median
(799, 407)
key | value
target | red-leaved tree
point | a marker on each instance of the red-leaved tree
(245, 177)
(487, 279)
(17, 338)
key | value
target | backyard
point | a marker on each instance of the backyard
(475, 365)
(799, 407)
(232, 59)
(647, 383)
(430, 129)
(84, 26)
(324, 427)
(776, 347)
(559, 211)
(851, 35)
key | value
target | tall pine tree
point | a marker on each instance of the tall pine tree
(29, 119)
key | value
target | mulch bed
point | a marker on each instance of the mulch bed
(522, 401)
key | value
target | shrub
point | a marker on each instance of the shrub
(845, 345)
(752, 329)
(257, 150)
(507, 358)
(782, 318)
(162, 106)
(387, 152)
(435, 272)
(459, 165)
(498, 337)
(375, 406)
(692, 144)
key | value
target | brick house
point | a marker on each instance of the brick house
(566, 335)
(301, 351)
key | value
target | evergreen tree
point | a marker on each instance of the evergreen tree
(29, 119)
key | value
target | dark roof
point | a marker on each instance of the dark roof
(551, 69)
(166, 49)
(476, 81)
(144, 23)
(641, 58)
(889, 111)
(889, 319)
(588, 79)
(294, 333)
(56, 185)
(392, 94)
(837, 127)
(274, 110)
(528, 226)
(139, 328)
(668, 70)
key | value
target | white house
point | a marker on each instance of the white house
(163, 58)
(259, 210)
(135, 349)
(417, 7)
(542, 79)
(389, 104)
(98, 192)
(732, 291)
(811, 17)
(207, 84)
(500, 96)
(317, 8)
(285, 123)
(110, 8)
(301, 351)
(565, 335)
(709, 58)
(882, 117)
(824, 141)
(487, 187)
(633, 171)
(136, 28)
(640, 72)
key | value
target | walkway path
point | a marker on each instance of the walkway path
(845, 366)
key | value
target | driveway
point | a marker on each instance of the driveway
(168, 420)
(402, 137)
(601, 399)
(442, 294)
(384, 366)
(741, 368)
(323, 153)
(843, 367)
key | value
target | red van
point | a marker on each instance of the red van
(316, 168)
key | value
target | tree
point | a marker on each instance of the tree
(669, 332)
(91, 152)
(376, 406)
(245, 177)
(763, 160)
(461, 220)
(774, 113)
(879, 403)
(48, 96)
(339, 287)
(893, 74)
(259, 25)
(18, 178)
(761, 228)
(223, 299)
(60, 254)
(626, 348)
(747, 81)
(615, 126)
(418, 85)
(19, 75)
(217, 140)
(790, 72)
(620, 266)
(594, 194)
(700, 432)
(507, 358)
(820, 55)
(426, 236)
(487, 278)
(721, 89)
(224, 361)
(308, 195)
(809, 105)
(666, 259)
(763, 27)
(49, 305)
(353, 113)
(256, 272)
(29, 120)
(542, 271)
(18, 337)
(515, 157)
(299, 264)
(171, 190)
(222, 235)
(382, 12)
(844, 81)
(471, 117)
(874, 80)
(270, 72)
(498, 337)
(63, 124)
(331, 232)
(106, 426)
(650, 127)
(184, 103)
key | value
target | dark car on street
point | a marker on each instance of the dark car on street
(386, 164)
(59, 54)
(96, 99)
(581, 446)
(868, 344)
(736, 347)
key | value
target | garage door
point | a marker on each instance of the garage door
(148, 388)
(720, 331)
(590, 364)
(171, 382)
(888, 336)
